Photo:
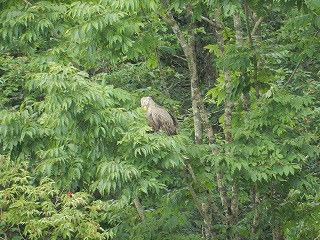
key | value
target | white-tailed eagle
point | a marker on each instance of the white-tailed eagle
(158, 117)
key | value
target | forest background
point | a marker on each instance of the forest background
(78, 160)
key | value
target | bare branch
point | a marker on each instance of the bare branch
(296, 67)
(139, 208)
(256, 26)
(292, 74)
(193, 193)
(208, 20)
(27, 2)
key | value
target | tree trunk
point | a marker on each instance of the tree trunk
(277, 233)
(238, 28)
(234, 189)
(188, 47)
(255, 221)
(255, 59)
(139, 208)
(227, 115)
(226, 71)
(237, 23)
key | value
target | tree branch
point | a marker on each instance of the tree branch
(27, 2)
(296, 67)
(193, 193)
(208, 20)
(212, 204)
(256, 26)
(139, 208)
(255, 61)
(292, 74)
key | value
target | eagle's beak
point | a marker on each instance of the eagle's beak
(144, 108)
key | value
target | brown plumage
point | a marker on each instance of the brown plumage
(158, 117)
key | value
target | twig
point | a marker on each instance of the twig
(193, 193)
(256, 25)
(182, 58)
(296, 67)
(212, 204)
(208, 20)
(292, 74)
(195, 180)
(27, 2)
(163, 80)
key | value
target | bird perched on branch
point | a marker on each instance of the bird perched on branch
(158, 117)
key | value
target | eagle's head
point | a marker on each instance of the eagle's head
(146, 102)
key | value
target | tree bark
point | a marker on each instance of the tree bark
(255, 221)
(227, 115)
(238, 28)
(255, 60)
(277, 233)
(139, 208)
(226, 71)
(163, 80)
(246, 102)
(188, 49)
(239, 40)
(203, 207)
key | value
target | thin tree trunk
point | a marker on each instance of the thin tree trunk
(277, 233)
(188, 47)
(238, 28)
(234, 189)
(239, 40)
(139, 208)
(257, 22)
(163, 80)
(207, 220)
(256, 215)
(255, 60)
(226, 71)
(227, 115)
(203, 207)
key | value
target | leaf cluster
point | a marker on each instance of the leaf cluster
(43, 211)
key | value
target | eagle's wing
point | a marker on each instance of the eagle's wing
(153, 121)
(164, 120)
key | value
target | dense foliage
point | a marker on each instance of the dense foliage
(78, 159)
